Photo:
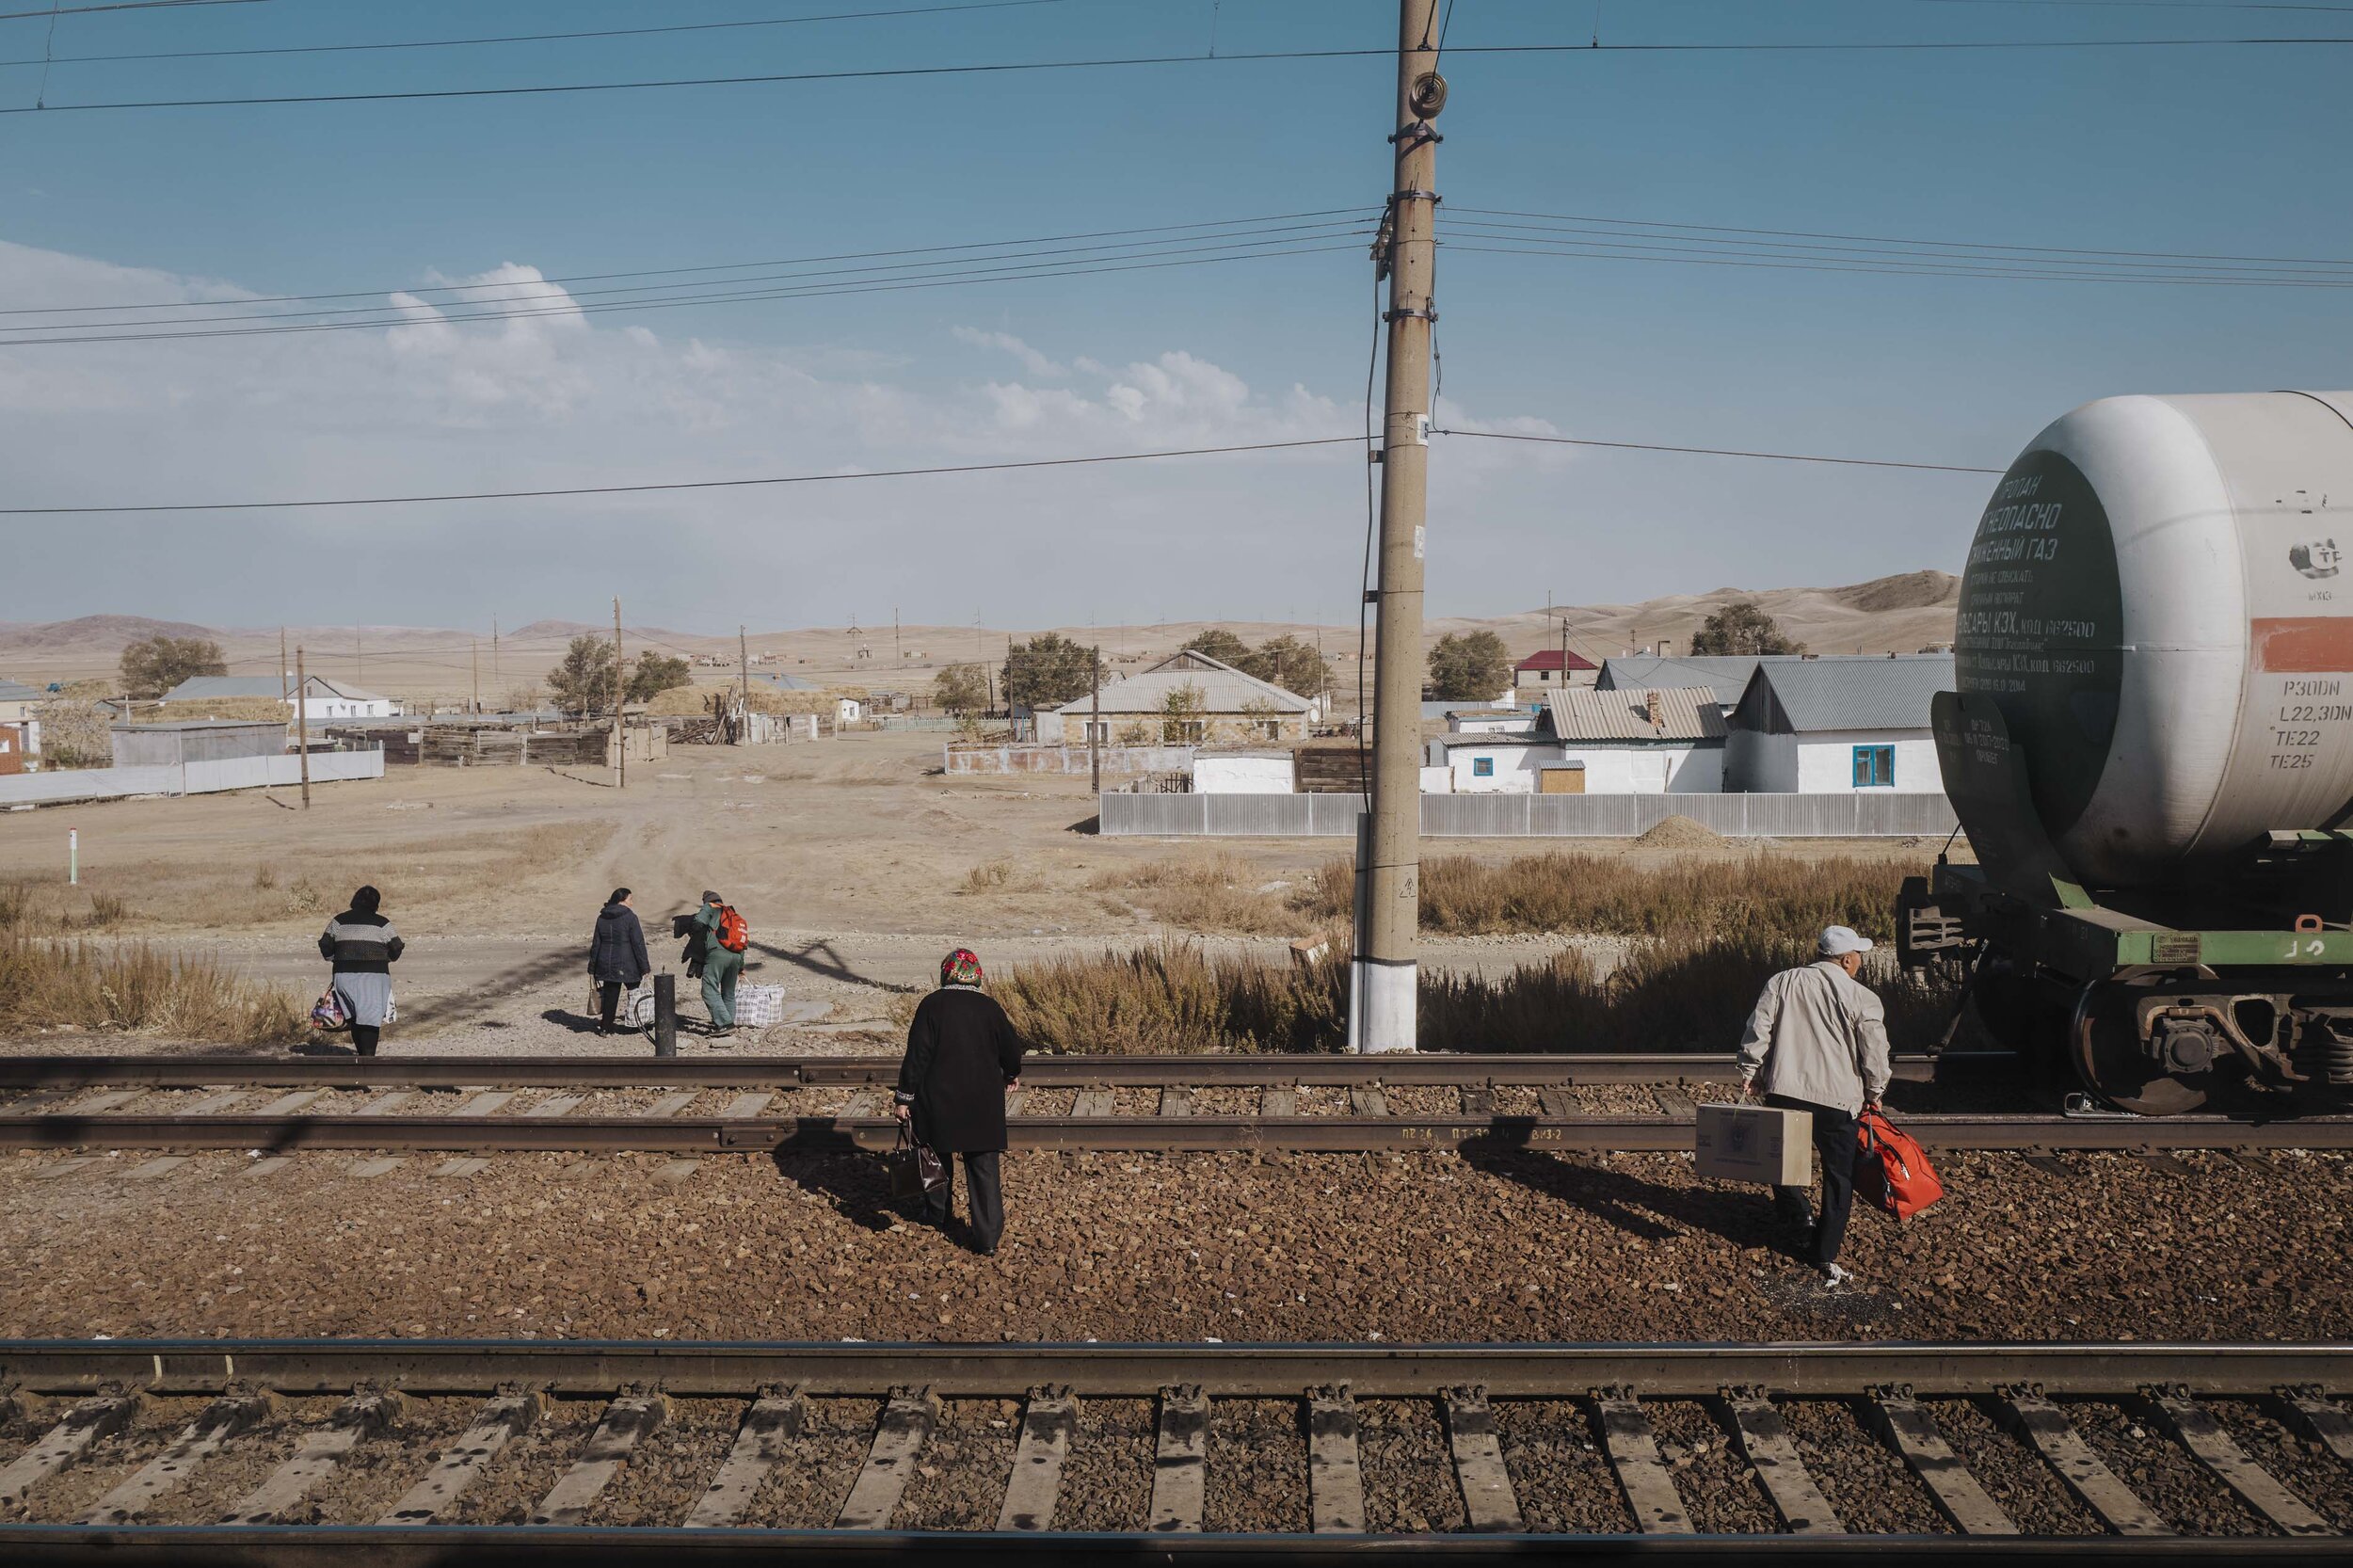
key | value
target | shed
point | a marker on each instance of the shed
(174, 744)
(1642, 739)
(1837, 725)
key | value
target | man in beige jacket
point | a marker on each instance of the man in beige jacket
(1818, 1043)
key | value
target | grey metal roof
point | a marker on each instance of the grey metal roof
(787, 682)
(1638, 713)
(213, 688)
(11, 692)
(1224, 689)
(181, 726)
(1728, 673)
(1848, 692)
(336, 688)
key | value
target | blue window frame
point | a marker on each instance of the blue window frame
(1874, 767)
(1482, 767)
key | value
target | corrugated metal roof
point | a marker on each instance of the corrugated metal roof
(1224, 689)
(1638, 713)
(1728, 673)
(1549, 659)
(1854, 692)
(349, 693)
(213, 688)
(11, 692)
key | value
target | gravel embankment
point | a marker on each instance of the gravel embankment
(1434, 1247)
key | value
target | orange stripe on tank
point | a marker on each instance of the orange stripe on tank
(2302, 644)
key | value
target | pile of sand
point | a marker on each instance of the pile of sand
(1680, 832)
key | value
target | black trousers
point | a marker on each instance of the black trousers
(984, 1197)
(1835, 1140)
(363, 1039)
(608, 1001)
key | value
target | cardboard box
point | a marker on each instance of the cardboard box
(1755, 1143)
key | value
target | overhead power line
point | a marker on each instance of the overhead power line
(118, 6)
(1721, 452)
(532, 38)
(1116, 62)
(684, 484)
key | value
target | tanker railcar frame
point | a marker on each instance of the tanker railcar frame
(2157, 1000)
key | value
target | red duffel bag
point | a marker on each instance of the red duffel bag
(1892, 1170)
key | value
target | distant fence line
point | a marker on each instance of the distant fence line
(1513, 816)
(186, 778)
(1027, 758)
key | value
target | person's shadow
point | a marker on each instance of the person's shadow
(858, 1184)
(1642, 1208)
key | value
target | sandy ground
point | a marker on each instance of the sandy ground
(856, 860)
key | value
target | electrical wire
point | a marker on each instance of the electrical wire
(1721, 452)
(1116, 63)
(676, 485)
(538, 37)
(1372, 526)
(1770, 264)
(118, 6)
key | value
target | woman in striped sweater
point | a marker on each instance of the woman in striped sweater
(363, 947)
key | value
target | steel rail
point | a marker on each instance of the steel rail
(1693, 1369)
(1140, 1134)
(757, 1072)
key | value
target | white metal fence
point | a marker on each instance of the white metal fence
(187, 778)
(1499, 816)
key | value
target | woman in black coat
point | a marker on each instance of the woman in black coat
(962, 1058)
(616, 955)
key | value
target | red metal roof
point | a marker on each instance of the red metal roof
(1549, 659)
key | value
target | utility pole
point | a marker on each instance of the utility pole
(620, 693)
(282, 664)
(898, 643)
(1094, 723)
(360, 658)
(494, 655)
(744, 657)
(302, 726)
(476, 644)
(1386, 970)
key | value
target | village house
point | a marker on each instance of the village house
(1186, 698)
(1648, 741)
(323, 700)
(20, 725)
(1726, 674)
(1837, 724)
(1551, 668)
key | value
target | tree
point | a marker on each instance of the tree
(1047, 671)
(1741, 627)
(155, 665)
(656, 673)
(584, 682)
(1223, 647)
(1288, 662)
(1181, 722)
(74, 733)
(1469, 667)
(960, 690)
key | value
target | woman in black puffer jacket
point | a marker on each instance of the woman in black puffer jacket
(616, 955)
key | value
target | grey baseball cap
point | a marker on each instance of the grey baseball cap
(1838, 941)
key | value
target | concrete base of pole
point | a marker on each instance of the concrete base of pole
(1383, 1017)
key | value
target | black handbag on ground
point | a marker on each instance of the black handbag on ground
(915, 1170)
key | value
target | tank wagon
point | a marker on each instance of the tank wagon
(2151, 748)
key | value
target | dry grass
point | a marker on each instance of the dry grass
(998, 877)
(132, 987)
(1223, 893)
(1615, 895)
(1684, 994)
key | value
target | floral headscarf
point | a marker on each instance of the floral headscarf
(961, 967)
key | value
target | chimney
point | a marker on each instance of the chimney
(1656, 707)
(1666, 646)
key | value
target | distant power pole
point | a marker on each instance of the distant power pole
(620, 692)
(302, 724)
(282, 664)
(360, 658)
(476, 644)
(898, 647)
(1386, 972)
(494, 654)
(744, 657)
(1095, 722)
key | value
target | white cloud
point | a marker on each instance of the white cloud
(559, 398)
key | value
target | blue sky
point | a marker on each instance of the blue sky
(2223, 151)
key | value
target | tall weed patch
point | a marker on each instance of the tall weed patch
(131, 987)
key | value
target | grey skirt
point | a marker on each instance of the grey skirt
(365, 996)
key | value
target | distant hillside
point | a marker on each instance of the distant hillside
(107, 634)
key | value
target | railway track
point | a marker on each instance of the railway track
(816, 1105)
(281, 1451)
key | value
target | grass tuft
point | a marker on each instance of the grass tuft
(131, 987)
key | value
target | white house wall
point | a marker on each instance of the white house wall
(1826, 760)
(1760, 764)
(1242, 776)
(1516, 768)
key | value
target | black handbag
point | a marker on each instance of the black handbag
(915, 1170)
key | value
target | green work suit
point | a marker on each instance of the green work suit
(720, 969)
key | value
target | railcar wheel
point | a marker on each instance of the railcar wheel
(2110, 1060)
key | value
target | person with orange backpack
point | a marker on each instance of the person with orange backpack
(716, 938)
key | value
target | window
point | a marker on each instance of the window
(1482, 767)
(1874, 767)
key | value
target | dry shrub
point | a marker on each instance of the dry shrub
(1173, 997)
(1688, 896)
(1682, 994)
(1220, 893)
(131, 987)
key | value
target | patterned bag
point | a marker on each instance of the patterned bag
(328, 1011)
